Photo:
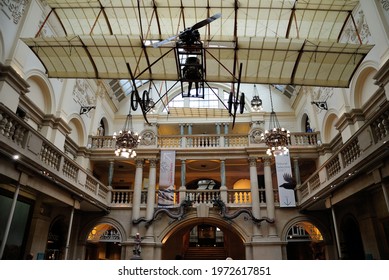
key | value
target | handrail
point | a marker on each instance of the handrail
(201, 141)
(40, 153)
(364, 148)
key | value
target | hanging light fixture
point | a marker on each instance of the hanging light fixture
(127, 140)
(277, 137)
(256, 102)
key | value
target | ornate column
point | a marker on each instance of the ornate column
(269, 192)
(256, 210)
(136, 200)
(151, 196)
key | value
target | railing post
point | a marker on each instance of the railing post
(223, 194)
(221, 141)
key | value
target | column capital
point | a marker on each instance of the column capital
(267, 160)
(139, 162)
(153, 162)
(252, 161)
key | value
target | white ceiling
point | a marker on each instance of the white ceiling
(275, 41)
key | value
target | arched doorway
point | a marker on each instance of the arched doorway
(56, 240)
(351, 241)
(203, 239)
(103, 243)
(305, 242)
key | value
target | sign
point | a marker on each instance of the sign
(286, 183)
(166, 179)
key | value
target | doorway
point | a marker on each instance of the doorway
(351, 240)
(103, 243)
(305, 242)
(203, 239)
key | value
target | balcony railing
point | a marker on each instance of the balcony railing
(234, 198)
(201, 141)
(364, 148)
(42, 156)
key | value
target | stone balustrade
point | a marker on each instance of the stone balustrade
(235, 198)
(45, 158)
(201, 141)
(369, 141)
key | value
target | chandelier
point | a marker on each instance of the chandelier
(127, 140)
(277, 137)
(256, 102)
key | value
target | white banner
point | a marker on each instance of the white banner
(286, 183)
(166, 178)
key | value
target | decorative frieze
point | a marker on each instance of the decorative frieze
(14, 10)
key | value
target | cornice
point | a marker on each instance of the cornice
(12, 78)
(56, 123)
(382, 76)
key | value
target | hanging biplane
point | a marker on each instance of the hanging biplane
(280, 42)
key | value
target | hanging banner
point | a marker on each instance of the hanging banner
(286, 183)
(166, 178)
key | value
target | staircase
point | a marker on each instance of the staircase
(205, 253)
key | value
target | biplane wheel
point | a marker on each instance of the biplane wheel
(230, 98)
(134, 101)
(145, 98)
(241, 103)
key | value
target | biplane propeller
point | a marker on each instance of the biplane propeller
(190, 59)
(190, 34)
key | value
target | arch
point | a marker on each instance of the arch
(77, 133)
(329, 128)
(242, 184)
(362, 85)
(103, 127)
(43, 96)
(323, 230)
(84, 233)
(56, 239)
(318, 236)
(305, 123)
(102, 239)
(350, 238)
(237, 233)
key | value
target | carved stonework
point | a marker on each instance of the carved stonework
(148, 138)
(252, 162)
(349, 33)
(139, 163)
(255, 136)
(13, 9)
(385, 4)
(321, 94)
(153, 163)
(83, 94)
